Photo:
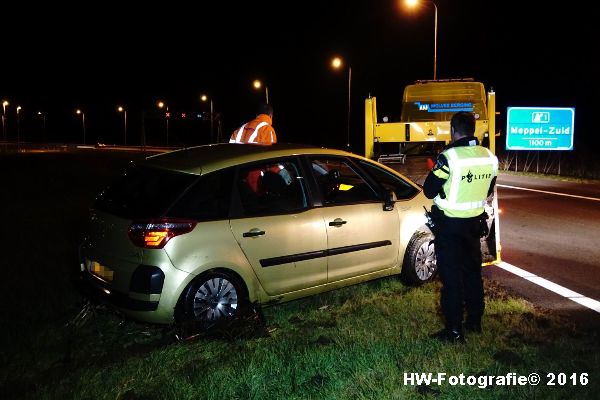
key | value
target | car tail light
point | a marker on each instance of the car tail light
(154, 234)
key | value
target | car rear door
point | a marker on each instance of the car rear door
(284, 239)
(361, 236)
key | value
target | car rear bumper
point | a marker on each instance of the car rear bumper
(96, 289)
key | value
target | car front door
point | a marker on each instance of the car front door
(284, 239)
(361, 236)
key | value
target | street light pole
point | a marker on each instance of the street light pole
(205, 98)
(43, 115)
(412, 4)
(257, 85)
(435, 43)
(349, 103)
(336, 63)
(162, 105)
(82, 122)
(18, 125)
(4, 104)
(124, 111)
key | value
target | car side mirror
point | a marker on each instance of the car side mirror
(389, 201)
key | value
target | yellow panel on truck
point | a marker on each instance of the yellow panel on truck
(424, 130)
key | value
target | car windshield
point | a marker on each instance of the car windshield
(143, 192)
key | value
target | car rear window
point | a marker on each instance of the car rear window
(208, 199)
(143, 192)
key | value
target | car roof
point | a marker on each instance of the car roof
(204, 159)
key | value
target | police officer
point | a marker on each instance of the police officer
(462, 178)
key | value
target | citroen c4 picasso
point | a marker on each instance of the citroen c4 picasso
(200, 233)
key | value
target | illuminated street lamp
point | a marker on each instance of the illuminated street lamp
(162, 105)
(413, 4)
(79, 112)
(4, 105)
(205, 98)
(257, 85)
(337, 63)
(124, 111)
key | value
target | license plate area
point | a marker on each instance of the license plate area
(101, 271)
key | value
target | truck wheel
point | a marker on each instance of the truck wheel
(419, 264)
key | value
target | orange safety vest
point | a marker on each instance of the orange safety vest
(257, 131)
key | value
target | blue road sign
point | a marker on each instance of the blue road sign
(540, 128)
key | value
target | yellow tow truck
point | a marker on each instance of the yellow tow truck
(424, 130)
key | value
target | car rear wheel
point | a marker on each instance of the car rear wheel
(215, 297)
(419, 264)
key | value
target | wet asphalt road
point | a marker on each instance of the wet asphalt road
(555, 237)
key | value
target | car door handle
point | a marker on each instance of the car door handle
(337, 222)
(254, 232)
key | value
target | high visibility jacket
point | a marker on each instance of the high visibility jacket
(257, 131)
(467, 180)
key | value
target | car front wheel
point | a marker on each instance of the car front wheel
(419, 264)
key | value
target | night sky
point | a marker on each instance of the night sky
(57, 58)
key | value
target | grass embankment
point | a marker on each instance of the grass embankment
(355, 342)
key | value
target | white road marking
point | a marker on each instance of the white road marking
(553, 287)
(547, 192)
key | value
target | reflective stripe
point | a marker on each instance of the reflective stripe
(455, 178)
(445, 204)
(255, 133)
(440, 173)
(238, 137)
(472, 162)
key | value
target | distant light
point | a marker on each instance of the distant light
(5, 103)
(257, 84)
(120, 109)
(18, 109)
(204, 97)
(411, 3)
(78, 111)
(183, 115)
(336, 62)
(160, 104)
(39, 113)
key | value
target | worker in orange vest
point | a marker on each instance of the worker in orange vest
(257, 131)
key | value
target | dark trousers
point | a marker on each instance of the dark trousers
(458, 252)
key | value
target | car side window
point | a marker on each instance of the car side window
(271, 188)
(390, 182)
(208, 199)
(339, 183)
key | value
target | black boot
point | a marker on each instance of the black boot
(450, 335)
